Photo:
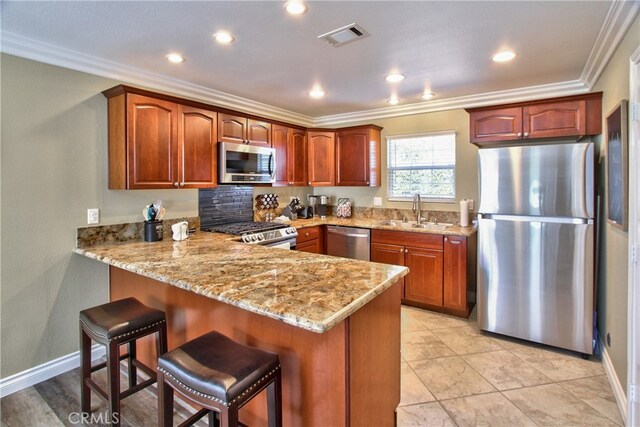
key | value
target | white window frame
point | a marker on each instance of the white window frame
(421, 135)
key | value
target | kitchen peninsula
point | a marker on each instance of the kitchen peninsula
(334, 322)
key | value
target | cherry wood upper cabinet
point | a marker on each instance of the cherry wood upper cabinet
(279, 140)
(242, 130)
(321, 158)
(297, 157)
(198, 148)
(258, 133)
(291, 155)
(152, 143)
(155, 144)
(572, 116)
(358, 156)
(556, 119)
(503, 124)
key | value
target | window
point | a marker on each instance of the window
(424, 164)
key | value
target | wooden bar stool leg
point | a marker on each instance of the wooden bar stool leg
(161, 341)
(229, 417)
(113, 376)
(165, 403)
(133, 371)
(274, 401)
(85, 367)
(213, 420)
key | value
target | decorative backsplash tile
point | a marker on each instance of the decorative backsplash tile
(134, 231)
(224, 204)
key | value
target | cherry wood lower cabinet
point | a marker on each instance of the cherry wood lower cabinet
(442, 274)
(347, 376)
(311, 239)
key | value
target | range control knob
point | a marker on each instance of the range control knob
(245, 239)
(260, 237)
(253, 238)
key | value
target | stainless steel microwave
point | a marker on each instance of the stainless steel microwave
(246, 164)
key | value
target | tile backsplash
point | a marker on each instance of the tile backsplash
(224, 204)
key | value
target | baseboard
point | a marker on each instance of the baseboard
(618, 389)
(47, 370)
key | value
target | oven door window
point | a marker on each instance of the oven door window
(248, 163)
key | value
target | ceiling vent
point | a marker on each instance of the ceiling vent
(345, 35)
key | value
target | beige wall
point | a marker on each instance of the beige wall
(613, 293)
(54, 167)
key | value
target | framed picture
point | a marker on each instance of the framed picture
(617, 167)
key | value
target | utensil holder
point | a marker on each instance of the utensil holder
(153, 231)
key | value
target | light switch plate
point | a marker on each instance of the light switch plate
(470, 204)
(93, 216)
(377, 201)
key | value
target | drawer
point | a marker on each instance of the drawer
(308, 233)
(407, 238)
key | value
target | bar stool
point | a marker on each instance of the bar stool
(220, 375)
(112, 325)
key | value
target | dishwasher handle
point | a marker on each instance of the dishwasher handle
(347, 232)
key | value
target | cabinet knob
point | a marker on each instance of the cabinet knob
(182, 184)
(401, 250)
(175, 184)
(309, 182)
(526, 134)
(406, 251)
(519, 134)
(446, 239)
(367, 182)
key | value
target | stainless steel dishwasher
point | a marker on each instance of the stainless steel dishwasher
(349, 242)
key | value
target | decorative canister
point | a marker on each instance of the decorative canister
(343, 208)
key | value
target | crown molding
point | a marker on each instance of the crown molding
(15, 44)
(619, 19)
(553, 90)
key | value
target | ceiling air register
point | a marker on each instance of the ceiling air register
(345, 35)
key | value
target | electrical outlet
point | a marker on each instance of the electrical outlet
(633, 393)
(470, 204)
(93, 216)
(377, 201)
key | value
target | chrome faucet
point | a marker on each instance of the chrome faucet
(417, 207)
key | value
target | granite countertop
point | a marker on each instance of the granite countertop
(310, 291)
(454, 230)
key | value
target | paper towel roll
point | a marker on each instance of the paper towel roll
(464, 213)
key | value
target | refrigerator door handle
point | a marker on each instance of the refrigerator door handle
(518, 218)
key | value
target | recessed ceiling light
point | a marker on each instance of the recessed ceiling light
(176, 58)
(427, 95)
(316, 93)
(394, 78)
(296, 7)
(393, 101)
(504, 56)
(223, 37)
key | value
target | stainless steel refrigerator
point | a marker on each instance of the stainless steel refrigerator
(536, 243)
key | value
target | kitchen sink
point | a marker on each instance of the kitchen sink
(398, 223)
(432, 225)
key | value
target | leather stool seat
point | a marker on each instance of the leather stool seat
(112, 325)
(125, 316)
(219, 374)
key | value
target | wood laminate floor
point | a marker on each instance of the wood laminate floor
(452, 375)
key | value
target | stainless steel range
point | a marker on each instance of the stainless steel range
(259, 233)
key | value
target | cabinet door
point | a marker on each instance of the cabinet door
(352, 157)
(197, 148)
(297, 157)
(280, 138)
(312, 246)
(424, 282)
(455, 272)
(152, 144)
(258, 133)
(555, 120)
(503, 124)
(321, 155)
(388, 254)
(232, 128)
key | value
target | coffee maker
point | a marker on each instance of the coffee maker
(323, 206)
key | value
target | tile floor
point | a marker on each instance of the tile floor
(452, 375)
(455, 375)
